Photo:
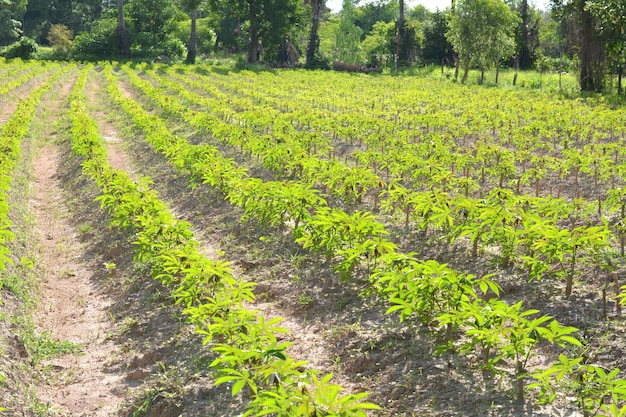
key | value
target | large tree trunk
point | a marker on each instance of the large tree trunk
(401, 42)
(466, 66)
(123, 36)
(192, 46)
(312, 49)
(591, 53)
(252, 56)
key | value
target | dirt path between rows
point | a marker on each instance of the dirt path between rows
(74, 307)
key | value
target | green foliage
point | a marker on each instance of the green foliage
(435, 45)
(367, 15)
(152, 21)
(11, 133)
(60, 37)
(10, 27)
(206, 35)
(379, 43)
(481, 32)
(41, 346)
(597, 391)
(25, 48)
(348, 35)
(99, 43)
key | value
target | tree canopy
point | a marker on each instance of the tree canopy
(481, 32)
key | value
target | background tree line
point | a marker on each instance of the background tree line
(587, 35)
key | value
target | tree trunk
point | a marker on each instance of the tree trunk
(253, 48)
(401, 44)
(192, 46)
(620, 72)
(123, 37)
(465, 72)
(591, 53)
(498, 66)
(516, 70)
(312, 49)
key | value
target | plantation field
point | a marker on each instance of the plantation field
(299, 243)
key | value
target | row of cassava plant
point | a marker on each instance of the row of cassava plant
(11, 134)
(512, 151)
(523, 228)
(250, 355)
(427, 291)
(22, 77)
(280, 150)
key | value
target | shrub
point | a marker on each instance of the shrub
(60, 37)
(25, 48)
(100, 43)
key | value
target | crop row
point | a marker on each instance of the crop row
(250, 356)
(505, 146)
(11, 134)
(546, 236)
(426, 291)
(15, 82)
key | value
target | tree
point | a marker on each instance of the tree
(11, 16)
(77, 15)
(367, 15)
(270, 24)
(348, 35)
(579, 24)
(123, 36)
(10, 28)
(407, 43)
(419, 13)
(227, 19)
(191, 7)
(379, 43)
(313, 59)
(153, 21)
(526, 36)
(60, 37)
(611, 23)
(481, 33)
(435, 47)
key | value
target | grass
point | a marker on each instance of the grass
(41, 346)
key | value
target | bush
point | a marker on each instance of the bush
(347, 67)
(51, 54)
(100, 43)
(25, 48)
(206, 37)
(60, 37)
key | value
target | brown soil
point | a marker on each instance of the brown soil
(74, 306)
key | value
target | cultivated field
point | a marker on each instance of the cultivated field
(197, 241)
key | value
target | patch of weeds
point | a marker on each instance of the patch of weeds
(168, 386)
(38, 408)
(127, 325)
(295, 278)
(156, 296)
(15, 285)
(305, 299)
(41, 346)
(297, 259)
(26, 262)
(84, 228)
